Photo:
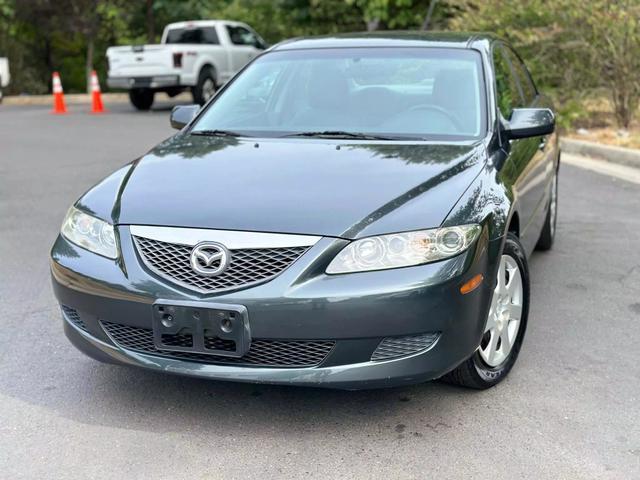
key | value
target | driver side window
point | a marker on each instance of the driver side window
(242, 36)
(507, 88)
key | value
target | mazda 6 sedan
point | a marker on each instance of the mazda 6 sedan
(351, 211)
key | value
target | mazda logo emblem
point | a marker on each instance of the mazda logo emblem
(209, 259)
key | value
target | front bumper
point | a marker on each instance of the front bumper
(356, 311)
(158, 81)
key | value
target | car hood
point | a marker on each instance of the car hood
(303, 186)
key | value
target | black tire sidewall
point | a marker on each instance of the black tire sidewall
(142, 98)
(492, 375)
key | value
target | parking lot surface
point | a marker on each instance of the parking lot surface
(570, 408)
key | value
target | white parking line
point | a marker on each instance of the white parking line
(622, 172)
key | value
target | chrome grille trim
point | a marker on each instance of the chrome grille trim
(248, 267)
(396, 347)
(233, 240)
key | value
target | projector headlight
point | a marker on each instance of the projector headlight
(403, 249)
(90, 232)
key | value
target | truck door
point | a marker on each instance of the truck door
(244, 45)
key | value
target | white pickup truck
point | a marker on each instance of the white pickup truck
(197, 55)
(5, 76)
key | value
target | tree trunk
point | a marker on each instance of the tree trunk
(427, 19)
(372, 25)
(48, 58)
(89, 62)
(151, 23)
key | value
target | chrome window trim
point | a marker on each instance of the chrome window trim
(233, 240)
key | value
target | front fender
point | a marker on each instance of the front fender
(487, 201)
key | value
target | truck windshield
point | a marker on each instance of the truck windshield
(422, 93)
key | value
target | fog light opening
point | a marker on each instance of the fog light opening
(472, 284)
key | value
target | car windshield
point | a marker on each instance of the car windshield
(394, 93)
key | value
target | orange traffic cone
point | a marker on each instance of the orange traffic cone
(96, 103)
(58, 95)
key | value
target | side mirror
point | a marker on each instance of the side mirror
(530, 122)
(182, 115)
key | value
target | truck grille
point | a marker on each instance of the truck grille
(396, 347)
(247, 266)
(263, 353)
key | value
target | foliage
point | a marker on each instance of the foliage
(610, 34)
(573, 47)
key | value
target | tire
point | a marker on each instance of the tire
(484, 370)
(545, 242)
(206, 86)
(141, 98)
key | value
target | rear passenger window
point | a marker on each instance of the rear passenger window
(192, 36)
(528, 89)
(210, 36)
(507, 88)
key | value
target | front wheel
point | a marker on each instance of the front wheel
(505, 326)
(141, 98)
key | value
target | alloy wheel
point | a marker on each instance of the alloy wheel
(505, 314)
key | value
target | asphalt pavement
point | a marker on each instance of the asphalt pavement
(570, 408)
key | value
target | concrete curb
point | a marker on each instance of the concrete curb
(70, 99)
(85, 99)
(619, 155)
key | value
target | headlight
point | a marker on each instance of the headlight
(403, 249)
(90, 232)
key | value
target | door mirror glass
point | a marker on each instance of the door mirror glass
(530, 122)
(182, 115)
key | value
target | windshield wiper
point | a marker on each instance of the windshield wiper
(339, 134)
(217, 133)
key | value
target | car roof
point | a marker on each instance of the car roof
(389, 39)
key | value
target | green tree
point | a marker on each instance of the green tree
(574, 48)
(610, 35)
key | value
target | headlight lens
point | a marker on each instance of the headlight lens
(404, 249)
(90, 232)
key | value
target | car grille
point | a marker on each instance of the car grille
(265, 353)
(396, 347)
(247, 266)
(72, 315)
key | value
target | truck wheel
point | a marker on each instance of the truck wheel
(141, 98)
(205, 88)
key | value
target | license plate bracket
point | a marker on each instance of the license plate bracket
(204, 328)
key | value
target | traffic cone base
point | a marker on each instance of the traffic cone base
(96, 96)
(59, 107)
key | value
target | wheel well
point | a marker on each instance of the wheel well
(514, 225)
(208, 66)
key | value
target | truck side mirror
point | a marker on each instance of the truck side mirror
(182, 115)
